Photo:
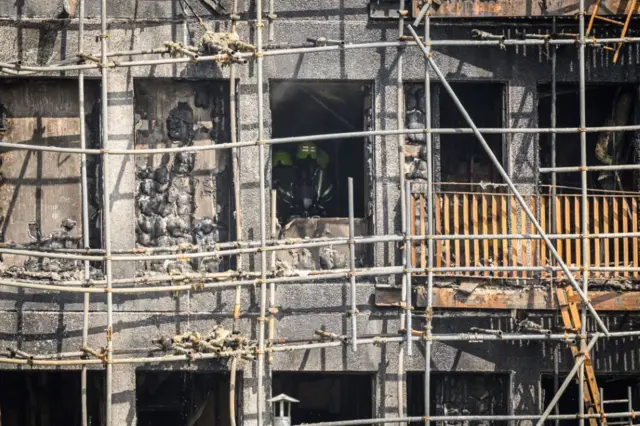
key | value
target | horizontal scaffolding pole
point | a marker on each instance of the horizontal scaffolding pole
(17, 67)
(470, 418)
(49, 359)
(326, 136)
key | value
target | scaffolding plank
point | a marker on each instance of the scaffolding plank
(523, 243)
(558, 211)
(494, 229)
(438, 230)
(634, 228)
(567, 230)
(485, 231)
(625, 229)
(505, 231)
(476, 223)
(577, 225)
(605, 230)
(456, 227)
(616, 241)
(447, 243)
(412, 227)
(543, 224)
(514, 227)
(423, 232)
(465, 223)
(596, 231)
(533, 246)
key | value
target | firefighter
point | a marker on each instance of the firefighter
(315, 192)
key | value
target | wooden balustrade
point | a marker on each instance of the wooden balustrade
(468, 214)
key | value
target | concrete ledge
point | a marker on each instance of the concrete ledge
(535, 299)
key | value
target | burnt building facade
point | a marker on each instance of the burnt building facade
(212, 203)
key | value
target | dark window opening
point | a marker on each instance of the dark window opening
(606, 105)
(326, 397)
(50, 398)
(179, 398)
(462, 158)
(614, 388)
(312, 177)
(460, 394)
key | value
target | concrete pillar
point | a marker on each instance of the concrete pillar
(120, 169)
(523, 159)
(123, 404)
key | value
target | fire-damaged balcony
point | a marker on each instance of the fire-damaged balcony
(486, 235)
(487, 252)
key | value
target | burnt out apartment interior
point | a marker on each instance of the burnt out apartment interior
(227, 212)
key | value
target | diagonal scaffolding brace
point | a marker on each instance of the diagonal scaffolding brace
(508, 181)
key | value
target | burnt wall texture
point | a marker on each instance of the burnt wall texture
(159, 200)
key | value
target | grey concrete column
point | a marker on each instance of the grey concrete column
(522, 153)
(386, 214)
(120, 169)
(123, 404)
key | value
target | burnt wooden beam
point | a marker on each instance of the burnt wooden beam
(534, 299)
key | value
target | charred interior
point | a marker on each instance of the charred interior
(47, 398)
(459, 394)
(461, 162)
(183, 398)
(606, 105)
(326, 397)
(305, 109)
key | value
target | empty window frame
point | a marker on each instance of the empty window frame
(606, 105)
(50, 398)
(460, 394)
(180, 398)
(459, 159)
(326, 397)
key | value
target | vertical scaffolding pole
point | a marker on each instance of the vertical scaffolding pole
(272, 286)
(430, 225)
(263, 215)
(106, 203)
(584, 229)
(554, 189)
(400, 108)
(235, 164)
(408, 263)
(352, 266)
(85, 214)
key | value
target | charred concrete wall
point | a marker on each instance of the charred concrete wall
(183, 198)
(48, 322)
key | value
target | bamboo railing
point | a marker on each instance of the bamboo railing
(475, 213)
